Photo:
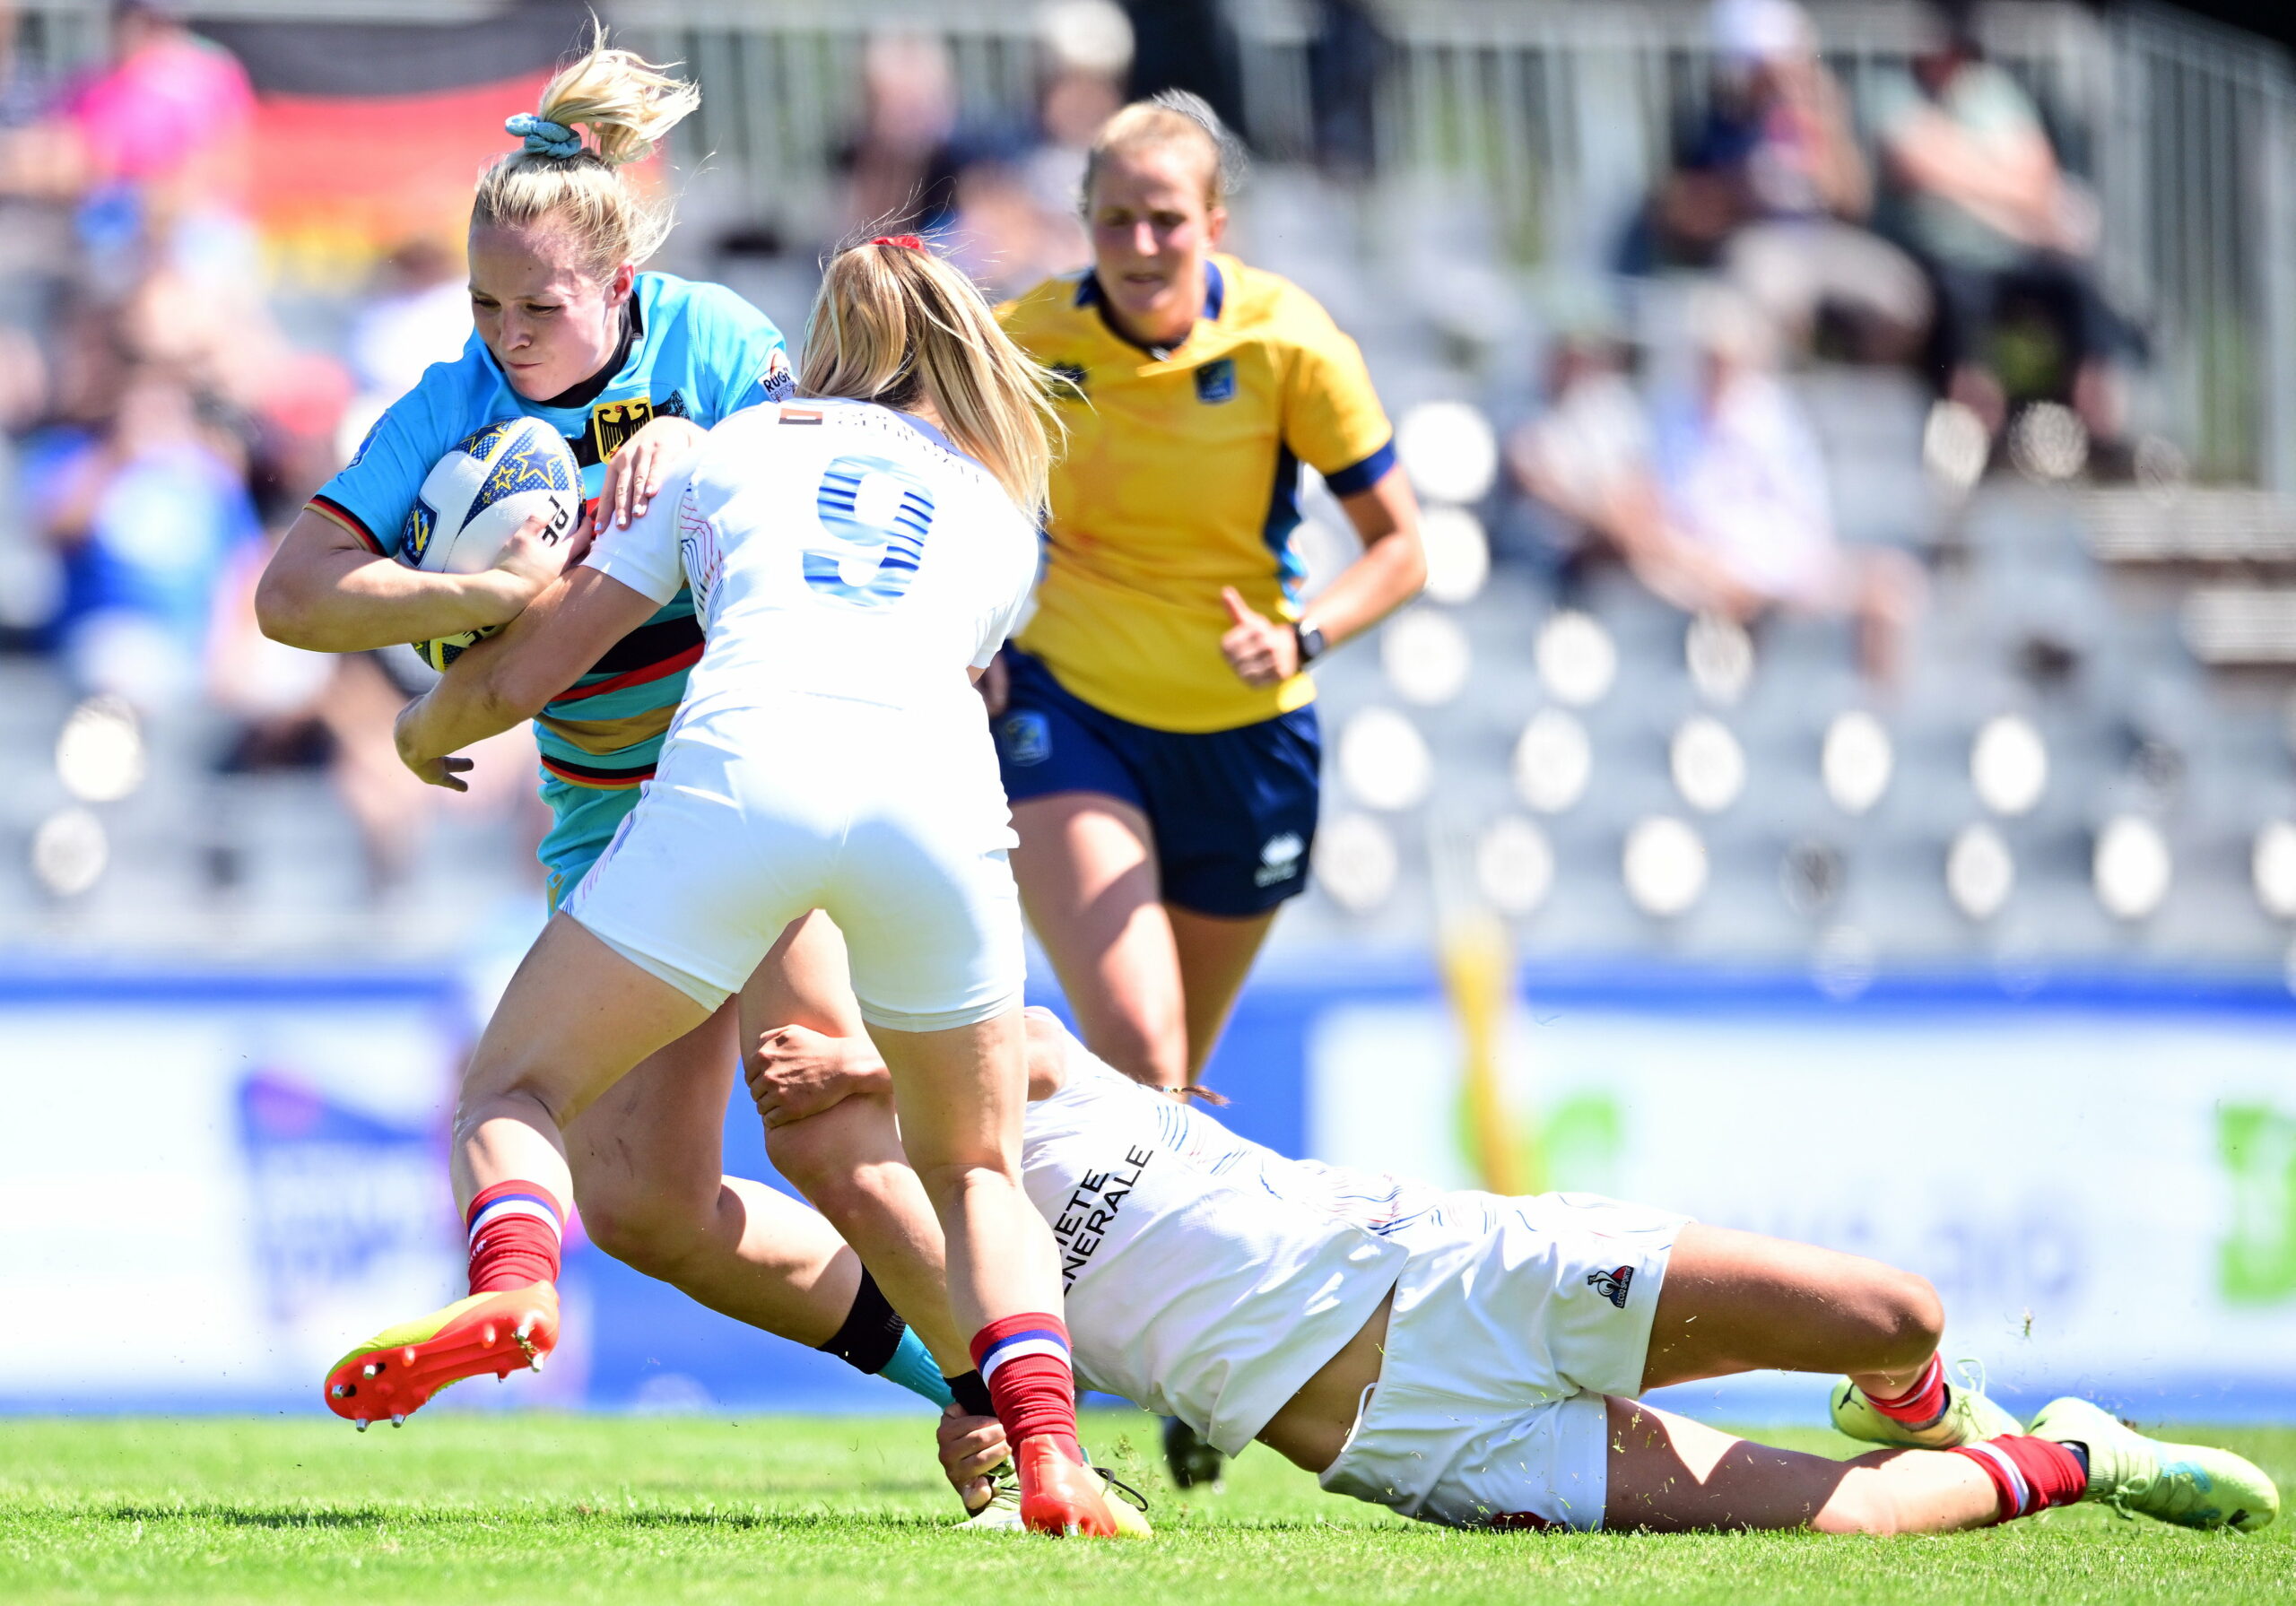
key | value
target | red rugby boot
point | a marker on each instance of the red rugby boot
(1060, 1497)
(396, 1372)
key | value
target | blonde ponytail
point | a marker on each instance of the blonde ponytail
(628, 104)
(893, 324)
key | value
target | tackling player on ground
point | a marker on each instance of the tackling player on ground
(632, 368)
(1472, 1359)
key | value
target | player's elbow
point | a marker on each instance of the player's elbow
(1410, 563)
(835, 1159)
(286, 609)
(513, 688)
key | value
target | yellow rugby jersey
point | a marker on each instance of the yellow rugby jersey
(1181, 476)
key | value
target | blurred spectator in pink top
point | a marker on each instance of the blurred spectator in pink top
(172, 112)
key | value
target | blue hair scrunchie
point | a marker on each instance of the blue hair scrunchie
(544, 137)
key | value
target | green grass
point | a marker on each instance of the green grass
(788, 1510)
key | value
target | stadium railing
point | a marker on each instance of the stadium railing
(1561, 115)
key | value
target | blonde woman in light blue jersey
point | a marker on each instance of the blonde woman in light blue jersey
(632, 367)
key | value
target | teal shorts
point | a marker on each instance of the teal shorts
(582, 820)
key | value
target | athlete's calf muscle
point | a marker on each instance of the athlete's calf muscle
(1667, 1474)
(1739, 1302)
(850, 1164)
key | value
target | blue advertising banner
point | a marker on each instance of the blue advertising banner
(222, 1181)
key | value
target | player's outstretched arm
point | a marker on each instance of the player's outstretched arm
(506, 679)
(325, 592)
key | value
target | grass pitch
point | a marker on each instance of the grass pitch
(501, 1509)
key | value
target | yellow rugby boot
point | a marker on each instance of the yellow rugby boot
(2192, 1486)
(1970, 1417)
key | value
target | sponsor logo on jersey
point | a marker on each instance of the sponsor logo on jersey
(613, 423)
(1611, 1285)
(801, 415)
(778, 383)
(1279, 860)
(1083, 1222)
(365, 441)
(1025, 738)
(1216, 381)
(421, 521)
(1068, 380)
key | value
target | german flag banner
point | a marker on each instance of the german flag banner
(368, 135)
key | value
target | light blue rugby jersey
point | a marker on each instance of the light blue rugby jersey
(700, 353)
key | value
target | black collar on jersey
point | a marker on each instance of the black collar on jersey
(1215, 296)
(633, 325)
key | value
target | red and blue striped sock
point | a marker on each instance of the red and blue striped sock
(1024, 1361)
(2029, 1474)
(514, 1233)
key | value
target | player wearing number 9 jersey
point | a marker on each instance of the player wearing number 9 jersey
(857, 562)
(838, 645)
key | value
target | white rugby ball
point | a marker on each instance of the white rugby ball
(476, 497)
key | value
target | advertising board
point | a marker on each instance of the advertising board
(210, 1187)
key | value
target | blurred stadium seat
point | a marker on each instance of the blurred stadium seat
(2145, 632)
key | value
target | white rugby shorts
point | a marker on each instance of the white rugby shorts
(892, 822)
(1489, 1407)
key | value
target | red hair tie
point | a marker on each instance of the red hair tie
(906, 241)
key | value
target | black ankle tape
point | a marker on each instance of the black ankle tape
(971, 1392)
(872, 1329)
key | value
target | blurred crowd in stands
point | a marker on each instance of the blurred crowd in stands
(162, 427)
(159, 427)
(1960, 249)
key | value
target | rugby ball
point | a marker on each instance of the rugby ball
(476, 497)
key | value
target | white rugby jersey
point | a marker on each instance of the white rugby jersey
(1401, 1208)
(1194, 1293)
(835, 549)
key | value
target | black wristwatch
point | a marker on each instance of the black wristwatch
(1311, 642)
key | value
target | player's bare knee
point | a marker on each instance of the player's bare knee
(1897, 1320)
(950, 1183)
(646, 1232)
(1915, 1318)
(512, 1096)
(810, 1157)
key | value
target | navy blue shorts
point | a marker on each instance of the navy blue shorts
(1232, 812)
